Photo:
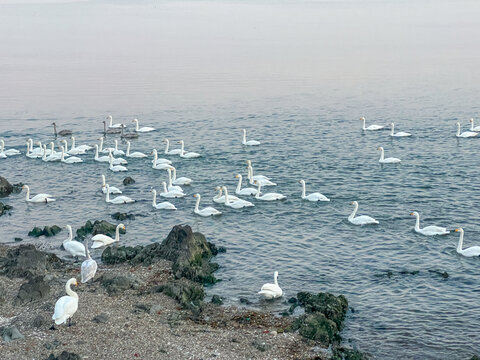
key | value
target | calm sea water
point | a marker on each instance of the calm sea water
(297, 75)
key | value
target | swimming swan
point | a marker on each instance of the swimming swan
(9, 152)
(313, 196)
(399, 134)
(390, 160)
(104, 158)
(254, 180)
(181, 180)
(117, 152)
(428, 230)
(473, 127)
(271, 291)
(71, 159)
(62, 132)
(159, 164)
(244, 191)
(89, 266)
(118, 200)
(249, 142)
(170, 194)
(267, 196)
(208, 211)
(135, 154)
(74, 248)
(219, 199)
(466, 134)
(112, 189)
(187, 155)
(371, 127)
(469, 252)
(170, 186)
(116, 168)
(360, 220)
(112, 125)
(235, 204)
(40, 198)
(100, 240)
(171, 152)
(67, 305)
(142, 129)
(163, 205)
(80, 147)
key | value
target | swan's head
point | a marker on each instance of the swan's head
(217, 188)
(54, 124)
(249, 162)
(302, 181)
(154, 151)
(73, 282)
(135, 120)
(244, 131)
(380, 148)
(238, 176)
(109, 117)
(153, 191)
(196, 195)
(362, 118)
(68, 227)
(275, 275)
(96, 146)
(25, 187)
(100, 138)
(354, 203)
(458, 124)
(180, 142)
(460, 230)
(471, 120)
(414, 213)
(121, 226)
(165, 140)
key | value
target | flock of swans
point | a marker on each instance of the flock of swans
(67, 305)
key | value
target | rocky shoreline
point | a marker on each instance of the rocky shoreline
(148, 303)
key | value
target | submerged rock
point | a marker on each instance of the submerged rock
(5, 187)
(11, 333)
(47, 231)
(34, 289)
(123, 216)
(128, 180)
(188, 293)
(27, 261)
(4, 208)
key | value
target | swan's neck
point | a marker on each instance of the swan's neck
(303, 190)
(166, 147)
(458, 129)
(136, 125)
(471, 127)
(111, 120)
(169, 177)
(174, 174)
(27, 197)
(107, 199)
(103, 181)
(382, 154)
(245, 137)
(73, 144)
(52, 146)
(197, 203)
(352, 215)
(2, 145)
(417, 222)
(250, 174)
(364, 128)
(154, 201)
(155, 157)
(96, 152)
(28, 148)
(128, 148)
(86, 249)
(55, 129)
(460, 242)
(275, 281)
(239, 185)
(164, 187)
(117, 234)
(257, 195)
(393, 129)
(63, 154)
(69, 291)
(116, 145)
(44, 157)
(101, 144)
(104, 127)
(70, 235)
(182, 151)
(65, 143)
(226, 195)
(219, 195)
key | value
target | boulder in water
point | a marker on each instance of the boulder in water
(47, 231)
(5, 187)
(128, 180)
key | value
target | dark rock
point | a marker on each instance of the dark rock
(216, 250)
(189, 294)
(245, 301)
(5, 187)
(292, 300)
(443, 274)
(260, 345)
(114, 284)
(217, 300)
(40, 321)
(11, 333)
(65, 355)
(140, 308)
(342, 353)
(4, 208)
(17, 239)
(119, 254)
(101, 318)
(26, 261)
(123, 216)
(83, 231)
(47, 231)
(34, 289)
(317, 327)
(2, 292)
(17, 188)
(97, 227)
(52, 345)
(475, 357)
(128, 180)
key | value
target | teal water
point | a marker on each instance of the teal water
(297, 76)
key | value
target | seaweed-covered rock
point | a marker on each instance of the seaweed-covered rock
(17, 188)
(47, 231)
(128, 180)
(26, 261)
(123, 216)
(4, 208)
(34, 289)
(317, 327)
(5, 187)
(97, 227)
(189, 294)
(119, 254)
(11, 333)
(217, 300)
(342, 353)
(114, 284)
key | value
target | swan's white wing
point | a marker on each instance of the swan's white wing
(435, 230)
(75, 248)
(471, 251)
(88, 270)
(65, 307)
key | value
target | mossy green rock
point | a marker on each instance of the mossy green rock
(47, 231)
(97, 227)
(333, 307)
(348, 354)
(317, 327)
(188, 293)
(119, 254)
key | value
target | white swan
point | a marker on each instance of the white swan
(41, 148)
(159, 164)
(112, 125)
(142, 129)
(32, 155)
(208, 211)
(170, 186)
(116, 168)
(468, 252)
(100, 240)
(187, 155)
(258, 179)
(9, 152)
(71, 159)
(473, 127)
(170, 194)
(54, 156)
(163, 205)
(73, 247)
(244, 191)
(116, 161)
(112, 189)
(72, 151)
(399, 134)
(466, 134)
(101, 149)
(428, 230)
(135, 154)
(117, 152)
(267, 196)
(171, 152)
(104, 158)
(81, 147)
(89, 266)
(39, 198)
(220, 199)
(67, 305)
(360, 220)
(313, 196)
(271, 291)
(38, 150)
(371, 127)
(235, 204)
(249, 142)
(118, 200)
(181, 180)
(383, 160)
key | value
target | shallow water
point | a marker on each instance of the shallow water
(297, 76)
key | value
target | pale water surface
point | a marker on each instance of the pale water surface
(297, 75)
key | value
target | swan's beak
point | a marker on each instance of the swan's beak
(76, 283)
(352, 203)
(195, 195)
(412, 214)
(236, 176)
(23, 187)
(124, 228)
(457, 230)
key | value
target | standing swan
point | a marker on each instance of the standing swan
(62, 132)
(249, 142)
(208, 211)
(39, 198)
(171, 152)
(75, 248)
(466, 134)
(360, 220)
(142, 129)
(244, 191)
(67, 305)
(100, 240)
(267, 196)
(468, 252)
(390, 160)
(271, 291)
(313, 196)
(112, 189)
(371, 127)
(472, 127)
(428, 230)
(135, 154)
(187, 155)
(163, 205)
(118, 200)
(89, 266)
(399, 134)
